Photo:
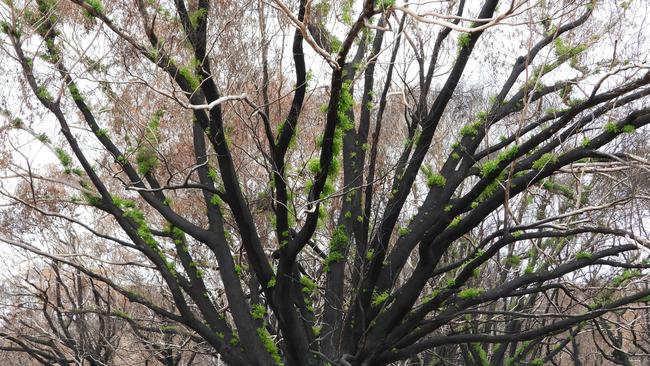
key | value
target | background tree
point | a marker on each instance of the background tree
(321, 182)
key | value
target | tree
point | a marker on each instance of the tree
(327, 183)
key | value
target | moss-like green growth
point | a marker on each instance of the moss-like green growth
(558, 188)
(530, 268)
(564, 51)
(17, 123)
(518, 352)
(258, 311)
(433, 179)
(43, 94)
(455, 221)
(574, 102)
(343, 124)
(92, 200)
(476, 272)
(102, 132)
(625, 277)
(146, 161)
(44, 138)
(313, 165)
(346, 12)
(239, 270)
(44, 7)
(316, 330)
(431, 296)
(177, 235)
(509, 153)
(379, 298)
(190, 77)
(215, 200)
(270, 345)
(212, 174)
(334, 167)
(470, 130)
(121, 314)
(471, 293)
(416, 139)
(611, 127)
(122, 160)
(489, 167)
(436, 180)
(146, 155)
(196, 17)
(234, 341)
(537, 362)
(142, 228)
(383, 5)
(584, 255)
(480, 352)
(628, 129)
(64, 158)
(548, 158)
(75, 93)
(345, 104)
(337, 245)
(585, 143)
(403, 231)
(272, 282)
(123, 204)
(96, 5)
(5, 27)
(308, 285)
(492, 187)
(464, 40)
(513, 261)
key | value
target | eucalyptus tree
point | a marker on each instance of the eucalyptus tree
(337, 182)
